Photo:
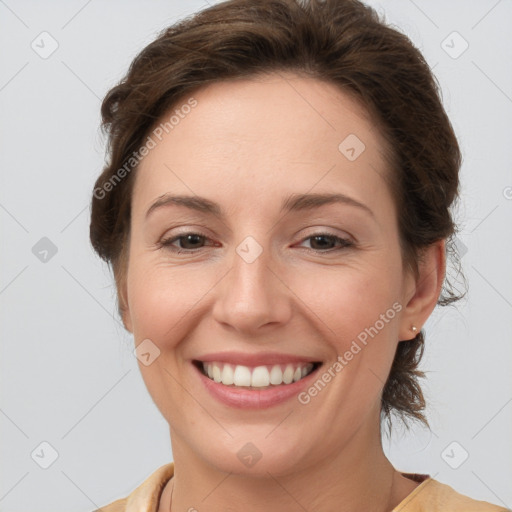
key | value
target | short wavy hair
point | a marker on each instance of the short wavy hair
(343, 42)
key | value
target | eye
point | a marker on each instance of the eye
(188, 242)
(324, 241)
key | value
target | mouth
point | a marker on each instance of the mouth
(255, 377)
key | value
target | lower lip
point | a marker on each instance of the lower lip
(244, 398)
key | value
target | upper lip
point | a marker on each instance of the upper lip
(260, 359)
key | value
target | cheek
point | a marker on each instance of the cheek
(350, 301)
(163, 303)
(162, 300)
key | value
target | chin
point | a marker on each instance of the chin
(255, 455)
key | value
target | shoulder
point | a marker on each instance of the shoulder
(434, 496)
(146, 496)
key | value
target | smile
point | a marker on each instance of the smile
(255, 377)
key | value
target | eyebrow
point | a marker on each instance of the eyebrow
(294, 203)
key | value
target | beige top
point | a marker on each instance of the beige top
(429, 496)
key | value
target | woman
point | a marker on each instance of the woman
(276, 211)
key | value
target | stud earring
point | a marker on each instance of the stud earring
(414, 329)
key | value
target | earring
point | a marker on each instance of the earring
(414, 329)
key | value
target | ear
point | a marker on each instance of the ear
(422, 293)
(127, 319)
(124, 310)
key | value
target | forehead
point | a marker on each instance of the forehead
(267, 133)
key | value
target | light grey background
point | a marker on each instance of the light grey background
(68, 375)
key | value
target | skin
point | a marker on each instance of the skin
(247, 145)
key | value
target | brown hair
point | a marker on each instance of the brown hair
(343, 42)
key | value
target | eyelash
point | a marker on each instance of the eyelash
(167, 242)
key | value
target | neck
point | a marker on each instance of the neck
(357, 478)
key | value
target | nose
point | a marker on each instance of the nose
(253, 297)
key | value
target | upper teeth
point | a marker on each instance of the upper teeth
(257, 377)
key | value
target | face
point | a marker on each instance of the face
(258, 275)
